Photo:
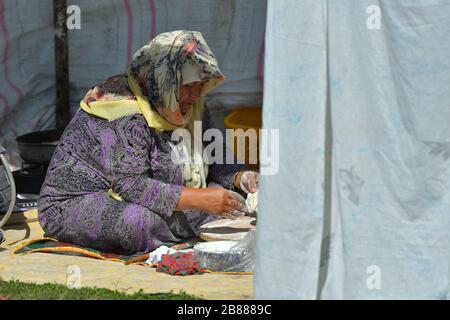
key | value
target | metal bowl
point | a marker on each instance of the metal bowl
(38, 147)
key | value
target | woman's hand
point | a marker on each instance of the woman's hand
(247, 181)
(215, 201)
(223, 202)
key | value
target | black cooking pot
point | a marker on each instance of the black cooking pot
(38, 147)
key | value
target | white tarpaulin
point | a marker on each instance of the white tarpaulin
(360, 92)
(111, 31)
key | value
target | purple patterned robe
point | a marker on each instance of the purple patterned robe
(134, 160)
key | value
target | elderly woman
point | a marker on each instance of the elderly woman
(113, 183)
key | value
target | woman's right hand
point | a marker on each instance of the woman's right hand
(215, 201)
(223, 202)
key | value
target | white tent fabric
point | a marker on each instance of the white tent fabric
(363, 111)
(111, 31)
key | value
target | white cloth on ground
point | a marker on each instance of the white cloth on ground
(156, 255)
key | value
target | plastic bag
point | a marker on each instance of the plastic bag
(228, 256)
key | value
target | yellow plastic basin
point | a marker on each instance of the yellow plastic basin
(248, 118)
(245, 119)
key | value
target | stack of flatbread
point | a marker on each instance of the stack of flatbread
(227, 229)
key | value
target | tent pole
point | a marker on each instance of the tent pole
(61, 64)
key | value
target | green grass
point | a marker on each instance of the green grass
(15, 290)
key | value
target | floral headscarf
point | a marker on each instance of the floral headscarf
(154, 79)
(169, 61)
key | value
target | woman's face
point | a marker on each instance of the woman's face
(189, 93)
